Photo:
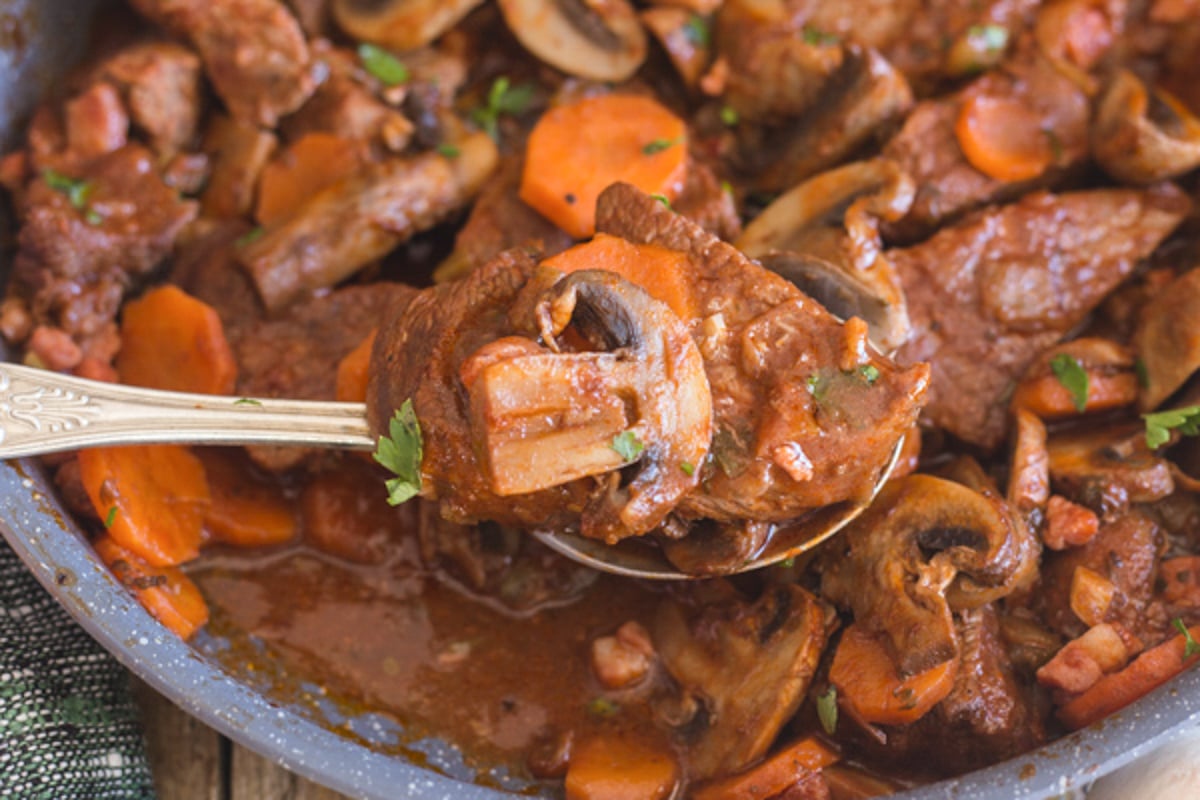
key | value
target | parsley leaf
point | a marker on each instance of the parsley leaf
(383, 65)
(688, 468)
(819, 37)
(1073, 377)
(602, 707)
(250, 237)
(869, 373)
(1160, 424)
(662, 198)
(827, 710)
(449, 150)
(111, 517)
(989, 37)
(730, 116)
(1190, 646)
(401, 452)
(627, 445)
(1143, 373)
(247, 401)
(696, 30)
(77, 191)
(658, 145)
(502, 98)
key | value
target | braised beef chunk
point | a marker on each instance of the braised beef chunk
(89, 237)
(987, 295)
(253, 51)
(1123, 556)
(296, 355)
(162, 86)
(793, 389)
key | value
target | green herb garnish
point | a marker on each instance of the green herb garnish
(382, 65)
(1143, 374)
(602, 707)
(1056, 145)
(502, 98)
(818, 37)
(111, 517)
(662, 198)
(688, 468)
(77, 191)
(730, 116)
(869, 373)
(1190, 646)
(449, 150)
(827, 710)
(401, 452)
(250, 237)
(1159, 425)
(991, 37)
(627, 445)
(1073, 377)
(246, 401)
(696, 30)
(658, 145)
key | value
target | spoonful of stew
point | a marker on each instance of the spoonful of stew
(651, 402)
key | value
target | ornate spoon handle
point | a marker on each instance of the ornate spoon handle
(44, 412)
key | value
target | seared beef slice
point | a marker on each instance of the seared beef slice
(987, 295)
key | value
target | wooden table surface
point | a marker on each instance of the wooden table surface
(191, 761)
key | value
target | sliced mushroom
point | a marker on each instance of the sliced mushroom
(638, 399)
(823, 236)
(1167, 339)
(747, 665)
(707, 547)
(400, 24)
(674, 27)
(1109, 468)
(925, 545)
(1029, 468)
(1143, 135)
(601, 41)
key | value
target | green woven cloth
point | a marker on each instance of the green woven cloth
(68, 725)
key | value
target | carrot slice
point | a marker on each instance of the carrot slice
(661, 272)
(168, 594)
(151, 498)
(772, 776)
(1003, 138)
(345, 513)
(354, 371)
(577, 150)
(171, 340)
(246, 510)
(867, 678)
(613, 768)
(1113, 692)
(305, 167)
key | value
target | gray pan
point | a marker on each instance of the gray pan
(288, 720)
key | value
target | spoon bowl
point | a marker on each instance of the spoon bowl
(44, 412)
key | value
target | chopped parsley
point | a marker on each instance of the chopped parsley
(730, 116)
(869, 373)
(502, 98)
(1073, 377)
(1159, 425)
(93, 217)
(382, 65)
(77, 191)
(688, 468)
(1143, 374)
(627, 445)
(110, 517)
(696, 30)
(662, 198)
(1190, 646)
(827, 710)
(246, 401)
(250, 237)
(449, 150)
(989, 37)
(401, 452)
(727, 188)
(658, 145)
(602, 707)
(1056, 145)
(816, 36)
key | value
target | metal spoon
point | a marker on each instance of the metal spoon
(45, 412)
